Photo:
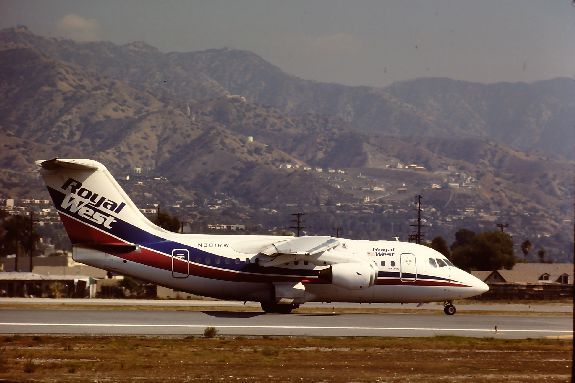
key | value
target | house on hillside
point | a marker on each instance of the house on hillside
(529, 281)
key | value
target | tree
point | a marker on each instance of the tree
(13, 235)
(167, 221)
(462, 257)
(18, 237)
(541, 254)
(490, 250)
(526, 247)
(461, 250)
(440, 244)
(463, 237)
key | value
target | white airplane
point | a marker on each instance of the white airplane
(109, 232)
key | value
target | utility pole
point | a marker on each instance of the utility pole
(182, 224)
(298, 223)
(502, 226)
(337, 231)
(31, 238)
(418, 236)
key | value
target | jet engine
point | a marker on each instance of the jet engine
(353, 275)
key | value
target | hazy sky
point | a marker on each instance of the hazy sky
(355, 42)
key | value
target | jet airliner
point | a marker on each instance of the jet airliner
(109, 232)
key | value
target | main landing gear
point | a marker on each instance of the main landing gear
(449, 308)
(277, 308)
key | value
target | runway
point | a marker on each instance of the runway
(256, 323)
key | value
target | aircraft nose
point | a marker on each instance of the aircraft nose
(473, 285)
(479, 286)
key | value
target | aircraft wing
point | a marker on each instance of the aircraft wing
(301, 246)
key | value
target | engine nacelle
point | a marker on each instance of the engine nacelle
(353, 275)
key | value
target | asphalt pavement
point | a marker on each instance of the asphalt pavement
(24, 319)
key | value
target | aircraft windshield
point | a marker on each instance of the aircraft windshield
(441, 263)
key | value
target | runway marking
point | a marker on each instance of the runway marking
(194, 326)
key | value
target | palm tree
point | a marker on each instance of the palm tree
(526, 247)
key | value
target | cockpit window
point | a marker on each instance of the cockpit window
(448, 262)
(441, 263)
(432, 262)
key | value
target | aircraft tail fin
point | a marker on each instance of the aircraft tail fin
(94, 208)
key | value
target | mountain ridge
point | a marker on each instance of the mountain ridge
(489, 111)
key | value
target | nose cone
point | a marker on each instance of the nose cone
(478, 287)
(473, 285)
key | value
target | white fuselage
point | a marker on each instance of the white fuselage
(397, 281)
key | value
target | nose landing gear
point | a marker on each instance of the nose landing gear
(449, 308)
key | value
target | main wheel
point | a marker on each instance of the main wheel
(449, 309)
(277, 308)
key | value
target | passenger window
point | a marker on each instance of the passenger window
(238, 261)
(208, 261)
(217, 261)
(432, 262)
(441, 263)
(392, 263)
(296, 263)
(383, 263)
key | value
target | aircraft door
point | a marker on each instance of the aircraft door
(407, 267)
(179, 270)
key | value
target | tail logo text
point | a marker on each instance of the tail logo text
(89, 205)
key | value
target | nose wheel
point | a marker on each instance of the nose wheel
(449, 308)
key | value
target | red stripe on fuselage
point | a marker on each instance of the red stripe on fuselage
(79, 232)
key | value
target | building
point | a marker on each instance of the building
(529, 281)
(59, 276)
(536, 273)
(52, 276)
(226, 227)
(16, 284)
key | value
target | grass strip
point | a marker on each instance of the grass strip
(282, 359)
